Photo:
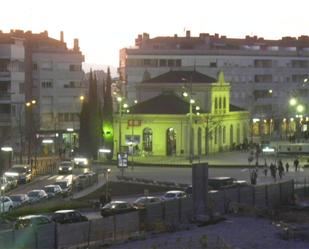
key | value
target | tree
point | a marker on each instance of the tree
(108, 131)
(91, 121)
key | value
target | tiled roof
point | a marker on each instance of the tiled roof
(165, 103)
(182, 77)
(168, 103)
(234, 108)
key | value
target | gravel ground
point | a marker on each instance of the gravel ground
(238, 232)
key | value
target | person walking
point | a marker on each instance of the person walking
(280, 169)
(265, 170)
(296, 162)
(287, 167)
(273, 171)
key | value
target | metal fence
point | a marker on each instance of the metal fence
(165, 216)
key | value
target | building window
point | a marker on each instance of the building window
(224, 103)
(147, 140)
(178, 63)
(47, 84)
(34, 67)
(162, 63)
(21, 88)
(170, 142)
(224, 135)
(47, 66)
(213, 64)
(170, 63)
(216, 103)
(75, 67)
(216, 135)
(220, 103)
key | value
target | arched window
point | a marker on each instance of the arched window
(216, 103)
(147, 140)
(170, 141)
(199, 141)
(216, 135)
(224, 103)
(224, 135)
(231, 135)
(220, 103)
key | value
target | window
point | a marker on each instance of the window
(74, 67)
(213, 64)
(224, 103)
(224, 135)
(216, 134)
(34, 67)
(263, 78)
(47, 84)
(147, 139)
(21, 88)
(178, 63)
(162, 63)
(220, 103)
(170, 63)
(47, 66)
(216, 103)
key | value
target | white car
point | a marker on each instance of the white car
(173, 195)
(143, 201)
(53, 190)
(37, 195)
(6, 204)
(65, 167)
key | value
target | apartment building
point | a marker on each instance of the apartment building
(43, 69)
(264, 74)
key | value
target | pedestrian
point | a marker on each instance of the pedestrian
(273, 170)
(296, 162)
(102, 200)
(280, 169)
(253, 176)
(287, 167)
(265, 168)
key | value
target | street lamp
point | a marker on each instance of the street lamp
(107, 172)
(29, 106)
(293, 102)
(70, 130)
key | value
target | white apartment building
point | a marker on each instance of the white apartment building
(51, 74)
(264, 74)
(12, 87)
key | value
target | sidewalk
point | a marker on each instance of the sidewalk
(223, 159)
(86, 191)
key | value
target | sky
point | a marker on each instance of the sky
(104, 27)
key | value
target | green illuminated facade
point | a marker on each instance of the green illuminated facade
(160, 125)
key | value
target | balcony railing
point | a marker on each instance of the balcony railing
(4, 96)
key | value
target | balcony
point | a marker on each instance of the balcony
(5, 97)
(5, 74)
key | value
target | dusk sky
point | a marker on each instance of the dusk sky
(103, 27)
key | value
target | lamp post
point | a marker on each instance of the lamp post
(70, 130)
(106, 179)
(29, 106)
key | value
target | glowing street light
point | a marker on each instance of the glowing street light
(293, 101)
(300, 108)
(185, 94)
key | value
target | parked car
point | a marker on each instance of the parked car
(173, 195)
(20, 200)
(53, 191)
(37, 195)
(12, 181)
(21, 172)
(65, 185)
(65, 167)
(4, 184)
(220, 182)
(31, 221)
(68, 216)
(143, 201)
(117, 207)
(6, 204)
(81, 161)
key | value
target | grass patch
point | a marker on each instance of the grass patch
(124, 188)
(49, 206)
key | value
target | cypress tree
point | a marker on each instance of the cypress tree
(108, 131)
